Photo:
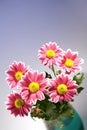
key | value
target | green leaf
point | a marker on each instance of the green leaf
(51, 112)
(79, 89)
(48, 75)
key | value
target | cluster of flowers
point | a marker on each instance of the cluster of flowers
(34, 87)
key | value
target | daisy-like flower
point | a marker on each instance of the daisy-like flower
(62, 88)
(70, 62)
(16, 105)
(33, 86)
(15, 73)
(49, 54)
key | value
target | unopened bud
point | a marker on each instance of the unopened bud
(79, 78)
(58, 72)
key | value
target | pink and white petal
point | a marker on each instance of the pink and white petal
(52, 93)
(72, 91)
(67, 97)
(61, 98)
(55, 99)
(32, 98)
(40, 95)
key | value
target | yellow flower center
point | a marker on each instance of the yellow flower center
(50, 54)
(19, 103)
(18, 75)
(34, 86)
(62, 88)
(69, 63)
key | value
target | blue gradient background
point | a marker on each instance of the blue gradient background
(25, 25)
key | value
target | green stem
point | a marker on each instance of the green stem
(53, 71)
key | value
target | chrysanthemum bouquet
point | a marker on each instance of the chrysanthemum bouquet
(45, 95)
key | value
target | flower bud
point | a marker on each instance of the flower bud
(79, 78)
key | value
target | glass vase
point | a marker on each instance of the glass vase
(68, 123)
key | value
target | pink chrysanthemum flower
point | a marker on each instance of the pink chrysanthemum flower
(15, 72)
(49, 54)
(17, 105)
(62, 88)
(70, 62)
(33, 86)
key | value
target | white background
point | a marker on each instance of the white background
(25, 25)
